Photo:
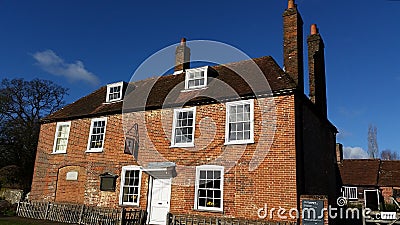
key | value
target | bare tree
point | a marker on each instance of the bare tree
(22, 105)
(389, 155)
(372, 142)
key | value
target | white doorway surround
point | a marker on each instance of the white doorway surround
(159, 201)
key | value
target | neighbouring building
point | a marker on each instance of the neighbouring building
(377, 178)
(214, 140)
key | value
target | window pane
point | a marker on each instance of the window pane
(114, 93)
(210, 175)
(209, 184)
(246, 135)
(97, 136)
(202, 184)
(210, 194)
(239, 135)
(232, 109)
(202, 202)
(239, 117)
(232, 136)
(184, 125)
(240, 109)
(217, 194)
(239, 122)
(247, 126)
(209, 189)
(202, 174)
(191, 83)
(217, 203)
(217, 174)
(131, 186)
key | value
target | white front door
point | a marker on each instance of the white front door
(160, 201)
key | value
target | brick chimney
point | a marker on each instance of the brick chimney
(316, 69)
(339, 153)
(293, 44)
(182, 56)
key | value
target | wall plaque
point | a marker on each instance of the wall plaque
(72, 175)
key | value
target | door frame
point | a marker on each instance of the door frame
(150, 196)
(377, 193)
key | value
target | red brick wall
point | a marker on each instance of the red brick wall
(273, 182)
(111, 160)
(387, 192)
(72, 191)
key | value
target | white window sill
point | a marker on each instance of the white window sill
(215, 210)
(127, 204)
(113, 101)
(188, 145)
(94, 151)
(194, 89)
(239, 142)
(58, 153)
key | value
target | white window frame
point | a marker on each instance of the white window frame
(241, 102)
(122, 183)
(189, 71)
(175, 120)
(109, 86)
(347, 192)
(91, 132)
(59, 124)
(197, 182)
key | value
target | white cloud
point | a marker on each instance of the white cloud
(354, 153)
(50, 62)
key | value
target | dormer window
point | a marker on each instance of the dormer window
(196, 78)
(114, 92)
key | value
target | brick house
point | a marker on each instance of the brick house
(212, 141)
(375, 177)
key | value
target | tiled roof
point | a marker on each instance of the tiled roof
(370, 172)
(389, 174)
(224, 83)
(359, 172)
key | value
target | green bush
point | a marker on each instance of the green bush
(391, 207)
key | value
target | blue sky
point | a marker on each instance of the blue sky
(92, 43)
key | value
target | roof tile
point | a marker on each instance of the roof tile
(233, 80)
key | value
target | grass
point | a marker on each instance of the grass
(25, 221)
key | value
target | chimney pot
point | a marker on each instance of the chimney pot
(183, 41)
(314, 29)
(291, 4)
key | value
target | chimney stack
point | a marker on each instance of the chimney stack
(182, 56)
(316, 69)
(293, 44)
(339, 153)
